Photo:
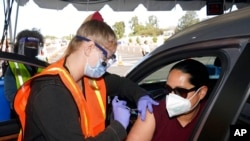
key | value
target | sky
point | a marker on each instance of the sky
(64, 22)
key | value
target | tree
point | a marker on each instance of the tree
(150, 29)
(134, 22)
(138, 29)
(154, 39)
(119, 29)
(68, 37)
(152, 21)
(187, 20)
(137, 40)
(130, 40)
(50, 37)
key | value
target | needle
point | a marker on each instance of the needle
(132, 111)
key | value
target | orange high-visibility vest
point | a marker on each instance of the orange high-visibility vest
(92, 107)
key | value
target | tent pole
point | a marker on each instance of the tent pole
(9, 20)
(16, 20)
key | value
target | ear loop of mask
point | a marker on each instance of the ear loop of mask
(196, 102)
(99, 59)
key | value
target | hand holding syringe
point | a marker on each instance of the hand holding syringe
(122, 112)
(133, 111)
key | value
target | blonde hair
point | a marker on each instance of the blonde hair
(88, 18)
(97, 31)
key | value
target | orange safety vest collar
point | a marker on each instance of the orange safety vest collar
(92, 107)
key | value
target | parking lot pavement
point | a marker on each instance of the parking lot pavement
(119, 70)
(126, 59)
(55, 52)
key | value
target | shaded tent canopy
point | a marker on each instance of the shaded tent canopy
(130, 5)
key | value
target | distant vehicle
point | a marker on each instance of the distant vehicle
(226, 37)
(64, 43)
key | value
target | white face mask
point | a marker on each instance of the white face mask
(177, 105)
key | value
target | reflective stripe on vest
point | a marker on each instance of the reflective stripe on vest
(90, 123)
(98, 95)
(20, 72)
(96, 101)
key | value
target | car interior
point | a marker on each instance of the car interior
(154, 83)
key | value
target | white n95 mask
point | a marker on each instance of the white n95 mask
(177, 105)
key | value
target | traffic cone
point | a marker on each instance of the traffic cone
(120, 63)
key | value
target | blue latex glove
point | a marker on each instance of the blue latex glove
(144, 103)
(121, 112)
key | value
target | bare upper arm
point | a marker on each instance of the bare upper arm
(142, 130)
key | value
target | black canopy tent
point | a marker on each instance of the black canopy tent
(130, 5)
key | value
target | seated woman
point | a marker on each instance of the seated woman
(177, 114)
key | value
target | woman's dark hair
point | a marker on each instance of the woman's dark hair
(28, 33)
(197, 70)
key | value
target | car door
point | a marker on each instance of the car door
(225, 98)
(231, 97)
(9, 122)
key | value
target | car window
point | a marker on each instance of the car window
(161, 74)
(155, 81)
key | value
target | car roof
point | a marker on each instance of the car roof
(233, 24)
